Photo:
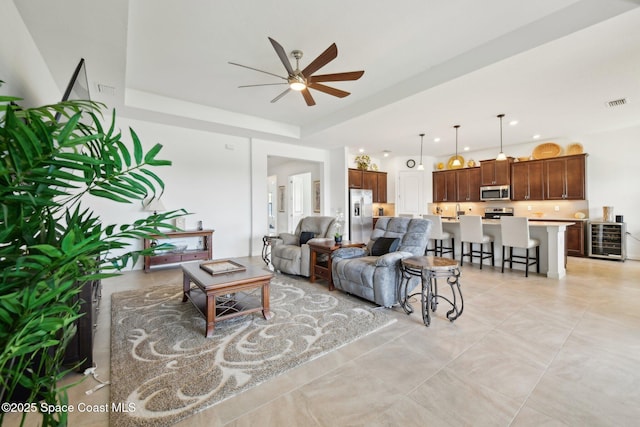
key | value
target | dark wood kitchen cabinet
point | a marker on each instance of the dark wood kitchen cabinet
(468, 185)
(574, 239)
(574, 236)
(355, 178)
(527, 180)
(370, 180)
(382, 187)
(495, 172)
(444, 186)
(564, 178)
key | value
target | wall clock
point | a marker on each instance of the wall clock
(411, 163)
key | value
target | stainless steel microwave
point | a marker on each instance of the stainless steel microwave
(495, 192)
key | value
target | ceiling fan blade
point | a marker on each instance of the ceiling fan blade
(337, 77)
(281, 95)
(330, 90)
(283, 56)
(255, 69)
(307, 97)
(264, 84)
(323, 59)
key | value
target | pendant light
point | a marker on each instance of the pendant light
(501, 155)
(456, 161)
(421, 166)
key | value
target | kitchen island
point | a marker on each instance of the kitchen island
(551, 236)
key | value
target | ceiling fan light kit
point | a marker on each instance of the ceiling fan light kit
(302, 81)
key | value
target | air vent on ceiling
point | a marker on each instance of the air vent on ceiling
(617, 102)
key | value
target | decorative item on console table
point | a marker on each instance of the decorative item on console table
(204, 252)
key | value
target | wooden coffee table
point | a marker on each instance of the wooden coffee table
(326, 246)
(227, 295)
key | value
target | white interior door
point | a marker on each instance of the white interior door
(410, 193)
(299, 199)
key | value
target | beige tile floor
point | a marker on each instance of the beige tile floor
(526, 352)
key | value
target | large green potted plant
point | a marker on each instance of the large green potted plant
(50, 243)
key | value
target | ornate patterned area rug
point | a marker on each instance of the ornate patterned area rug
(162, 364)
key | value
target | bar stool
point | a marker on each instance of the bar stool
(429, 269)
(471, 233)
(515, 234)
(439, 236)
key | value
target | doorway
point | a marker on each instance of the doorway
(272, 219)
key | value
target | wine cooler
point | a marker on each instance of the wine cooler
(607, 240)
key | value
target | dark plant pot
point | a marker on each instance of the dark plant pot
(338, 239)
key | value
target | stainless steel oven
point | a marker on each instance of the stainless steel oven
(497, 213)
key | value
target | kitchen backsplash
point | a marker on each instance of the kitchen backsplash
(388, 209)
(560, 209)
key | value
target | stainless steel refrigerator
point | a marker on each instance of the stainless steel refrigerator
(360, 215)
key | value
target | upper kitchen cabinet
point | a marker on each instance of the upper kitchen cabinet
(370, 180)
(382, 187)
(355, 178)
(495, 172)
(468, 185)
(527, 180)
(564, 177)
(444, 186)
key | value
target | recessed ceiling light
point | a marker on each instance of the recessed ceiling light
(386, 153)
(536, 136)
(466, 148)
(513, 122)
(436, 139)
(361, 150)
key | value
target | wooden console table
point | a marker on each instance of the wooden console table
(175, 257)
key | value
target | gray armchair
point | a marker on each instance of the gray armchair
(362, 272)
(290, 253)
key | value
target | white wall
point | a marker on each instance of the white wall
(612, 177)
(21, 66)
(207, 178)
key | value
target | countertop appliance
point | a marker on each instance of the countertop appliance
(360, 215)
(496, 213)
(495, 192)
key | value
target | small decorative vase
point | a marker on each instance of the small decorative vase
(338, 239)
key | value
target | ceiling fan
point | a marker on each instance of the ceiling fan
(303, 80)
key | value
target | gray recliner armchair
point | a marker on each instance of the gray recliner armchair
(290, 253)
(373, 273)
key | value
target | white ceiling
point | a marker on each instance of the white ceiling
(429, 64)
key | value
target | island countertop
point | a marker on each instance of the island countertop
(551, 235)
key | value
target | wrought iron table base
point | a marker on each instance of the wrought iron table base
(429, 293)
